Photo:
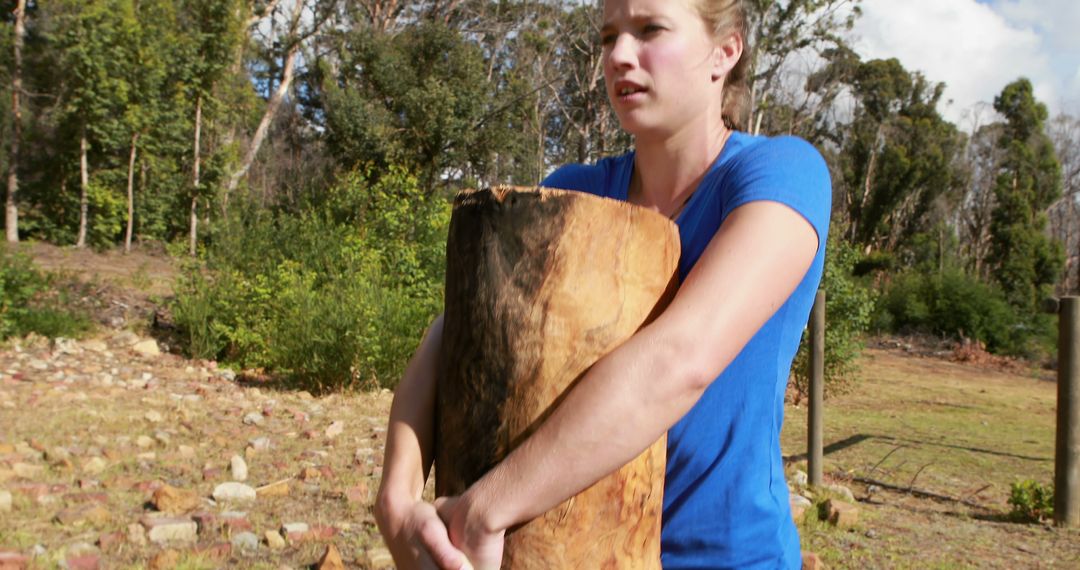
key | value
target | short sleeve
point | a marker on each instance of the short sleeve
(787, 170)
(580, 177)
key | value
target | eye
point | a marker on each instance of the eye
(607, 39)
(651, 29)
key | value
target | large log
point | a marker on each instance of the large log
(541, 284)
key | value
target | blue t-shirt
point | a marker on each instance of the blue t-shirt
(725, 496)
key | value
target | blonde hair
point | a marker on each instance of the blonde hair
(724, 17)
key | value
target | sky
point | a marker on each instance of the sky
(976, 48)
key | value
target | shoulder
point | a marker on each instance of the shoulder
(783, 153)
(596, 178)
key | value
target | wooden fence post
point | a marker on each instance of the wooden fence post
(817, 389)
(1067, 444)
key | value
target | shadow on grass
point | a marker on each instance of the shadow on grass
(861, 437)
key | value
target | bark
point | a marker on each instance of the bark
(271, 108)
(11, 215)
(84, 183)
(131, 193)
(194, 231)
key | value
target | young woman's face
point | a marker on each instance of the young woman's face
(658, 65)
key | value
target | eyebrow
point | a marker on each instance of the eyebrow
(610, 26)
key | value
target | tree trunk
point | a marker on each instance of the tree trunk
(11, 215)
(271, 109)
(131, 193)
(194, 231)
(512, 348)
(84, 183)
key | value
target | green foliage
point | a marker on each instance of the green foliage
(954, 304)
(31, 303)
(1031, 501)
(849, 305)
(335, 296)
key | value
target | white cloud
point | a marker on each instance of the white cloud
(977, 49)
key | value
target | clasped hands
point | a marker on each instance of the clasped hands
(449, 535)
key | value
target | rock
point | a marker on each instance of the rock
(170, 530)
(239, 468)
(84, 561)
(28, 471)
(277, 489)
(254, 419)
(10, 560)
(96, 515)
(136, 534)
(841, 514)
(260, 443)
(274, 540)
(94, 466)
(5, 501)
(110, 540)
(246, 543)
(165, 560)
(335, 429)
(57, 455)
(147, 347)
(811, 561)
(94, 345)
(843, 491)
(144, 441)
(295, 532)
(799, 506)
(309, 474)
(174, 501)
(154, 417)
(234, 492)
(379, 559)
(799, 478)
(357, 494)
(235, 521)
(331, 559)
(227, 374)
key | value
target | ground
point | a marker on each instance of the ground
(91, 429)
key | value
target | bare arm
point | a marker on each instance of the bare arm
(402, 516)
(753, 263)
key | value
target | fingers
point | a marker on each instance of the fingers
(436, 541)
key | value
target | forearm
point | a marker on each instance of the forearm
(410, 435)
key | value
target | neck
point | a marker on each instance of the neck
(668, 170)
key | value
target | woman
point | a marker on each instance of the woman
(711, 371)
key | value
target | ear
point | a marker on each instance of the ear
(726, 54)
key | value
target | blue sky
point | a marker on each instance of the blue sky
(977, 48)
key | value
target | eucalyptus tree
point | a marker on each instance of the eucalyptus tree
(11, 212)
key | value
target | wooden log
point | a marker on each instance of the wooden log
(540, 285)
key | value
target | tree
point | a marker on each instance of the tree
(11, 213)
(1025, 261)
(1064, 133)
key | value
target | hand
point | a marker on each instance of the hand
(482, 547)
(421, 541)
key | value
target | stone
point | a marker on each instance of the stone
(96, 515)
(309, 474)
(170, 530)
(235, 521)
(5, 501)
(154, 417)
(162, 437)
(799, 506)
(246, 543)
(841, 514)
(147, 347)
(277, 489)
(233, 491)
(136, 534)
(57, 455)
(110, 540)
(274, 540)
(295, 532)
(844, 492)
(165, 560)
(27, 470)
(331, 559)
(144, 441)
(811, 561)
(94, 466)
(254, 419)
(174, 501)
(95, 345)
(10, 560)
(800, 478)
(379, 559)
(187, 452)
(260, 443)
(335, 429)
(87, 561)
(238, 468)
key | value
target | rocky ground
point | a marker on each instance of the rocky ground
(115, 455)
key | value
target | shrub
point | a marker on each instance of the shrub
(1031, 501)
(31, 302)
(336, 295)
(848, 307)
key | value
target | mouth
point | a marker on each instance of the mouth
(627, 90)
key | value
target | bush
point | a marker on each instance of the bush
(30, 302)
(1031, 501)
(953, 304)
(849, 305)
(337, 295)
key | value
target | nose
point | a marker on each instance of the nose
(622, 54)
